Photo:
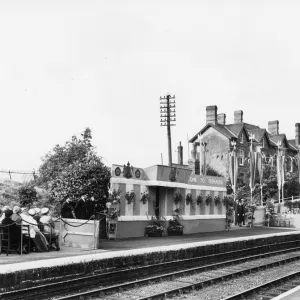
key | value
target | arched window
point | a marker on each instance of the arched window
(242, 139)
(241, 157)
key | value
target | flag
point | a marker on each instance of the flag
(279, 172)
(233, 168)
(253, 168)
(260, 168)
(282, 169)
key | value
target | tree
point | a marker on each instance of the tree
(75, 170)
(292, 185)
(27, 195)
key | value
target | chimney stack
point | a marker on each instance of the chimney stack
(297, 134)
(222, 119)
(238, 116)
(211, 114)
(273, 127)
(180, 154)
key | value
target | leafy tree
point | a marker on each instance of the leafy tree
(210, 171)
(9, 193)
(74, 170)
(27, 195)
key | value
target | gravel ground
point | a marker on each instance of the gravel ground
(224, 289)
(216, 291)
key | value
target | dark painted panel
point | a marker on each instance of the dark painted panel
(170, 193)
(203, 205)
(122, 187)
(212, 204)
(151, 204)
(193, 208)
(136, 207)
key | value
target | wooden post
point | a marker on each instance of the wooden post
(21, 238)
(60, 235)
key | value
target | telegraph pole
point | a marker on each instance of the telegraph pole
(168, 116)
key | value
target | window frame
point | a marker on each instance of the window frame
(241, 157)
(242, 139)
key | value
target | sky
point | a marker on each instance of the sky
(68, 65)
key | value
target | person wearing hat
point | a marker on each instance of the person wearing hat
(47, 221)
(16, 215)
(14, 230)
(39, 239)
(4, 208)
(49, 226)
(240, 211)
(67, 209)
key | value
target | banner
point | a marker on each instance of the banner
(282, 170)
(279, 172)
(253, 168)
(233, 169)
(260, 168)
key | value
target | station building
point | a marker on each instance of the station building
(161, 183)
(211, 144)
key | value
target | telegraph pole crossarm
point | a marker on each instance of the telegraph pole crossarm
(168, 116)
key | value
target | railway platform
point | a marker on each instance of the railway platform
(293, 294)
(131, 246)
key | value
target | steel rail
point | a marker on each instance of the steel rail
(263, 286)
(197, 285)
(106, 278)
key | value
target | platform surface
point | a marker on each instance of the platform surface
(146, 244)
(293, 294)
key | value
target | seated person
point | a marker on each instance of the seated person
(16, 215)
(39, 239)
(4, 208)
(15, 231)
(48, 223)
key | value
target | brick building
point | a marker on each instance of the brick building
(213, 143)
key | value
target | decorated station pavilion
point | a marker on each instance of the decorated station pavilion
(199, 204)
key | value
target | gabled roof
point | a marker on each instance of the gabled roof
(292, 144)
(238, 127)
(279, 138)
(221, 128)
(251, 127)
(259, 134)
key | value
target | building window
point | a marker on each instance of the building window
(241, 158)
(242, 139)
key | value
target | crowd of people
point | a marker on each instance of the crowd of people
(40, 224)
(84, 208)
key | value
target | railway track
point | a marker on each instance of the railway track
(140, 275)
(270, 289)
(175, 287)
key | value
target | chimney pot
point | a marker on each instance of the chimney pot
(211, 114)
(297, 134)
(180, 154)
(238, 116)
(222, 119)
(273, 127)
